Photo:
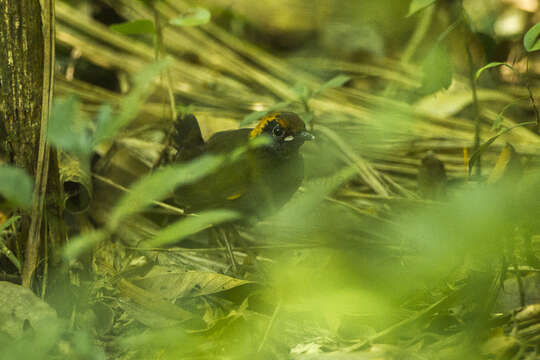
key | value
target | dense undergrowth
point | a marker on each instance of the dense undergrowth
(415, 234)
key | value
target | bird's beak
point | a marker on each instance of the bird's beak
(307, 136)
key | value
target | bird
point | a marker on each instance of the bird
(257, 183)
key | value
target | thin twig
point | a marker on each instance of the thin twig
(531, 97)
(270, 324)
(476, 107)
(392, 329)
(161, 53)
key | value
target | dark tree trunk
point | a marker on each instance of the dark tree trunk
(21, 80)
(26, 63)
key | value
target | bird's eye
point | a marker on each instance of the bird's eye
(277, 131)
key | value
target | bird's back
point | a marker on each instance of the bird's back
(254, 183)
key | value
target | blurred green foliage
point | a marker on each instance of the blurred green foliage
(341, 268)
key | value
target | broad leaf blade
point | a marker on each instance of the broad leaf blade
(172, 283)
(531, 40)
(438, 71)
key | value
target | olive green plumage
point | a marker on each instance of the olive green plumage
(256, 183)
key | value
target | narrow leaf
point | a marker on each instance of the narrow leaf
(492, 65)
(417, 5)
(136, 27)
(192, 225)
(161, 183)
(497, 123)
(82, 243)
(335, 82)
(478, 153)
(192, 17)
(531, 40)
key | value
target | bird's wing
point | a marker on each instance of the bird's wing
(224, 142)
(230, 185)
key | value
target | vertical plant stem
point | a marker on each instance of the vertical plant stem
(476, 108)
(160, 53)
(42, 167)
(531, 98)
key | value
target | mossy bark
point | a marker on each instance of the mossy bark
(25, 81)
(21, 80)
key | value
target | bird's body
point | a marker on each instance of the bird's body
(260, 180)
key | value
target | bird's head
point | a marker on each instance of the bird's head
(286, 131)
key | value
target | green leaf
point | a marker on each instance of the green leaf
(67, 130)
(257, 115)
(531, 42)
(492, 65)
(417, 5)
(192, 17)
(16, 186)
(135, 27)
(82, 243)
(172, 282)
(192, 225)
(335, 82)
(437, 69)
(107, 125)
(160, 184)
(497, 123)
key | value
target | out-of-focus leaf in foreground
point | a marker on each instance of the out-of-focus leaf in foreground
(438, 70)
(16, 186)
(82, 243)
(68, 130)
(192, 225)
(161, 183)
